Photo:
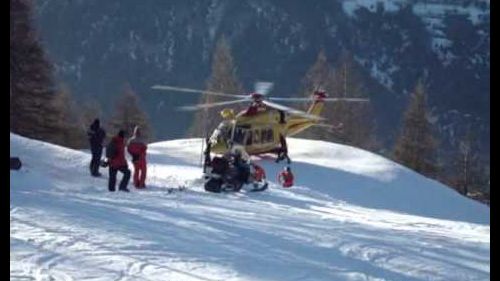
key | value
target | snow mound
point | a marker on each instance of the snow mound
(354, 176)
(352, 215)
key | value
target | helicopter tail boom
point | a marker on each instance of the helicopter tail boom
(318, 103)
(297, 125)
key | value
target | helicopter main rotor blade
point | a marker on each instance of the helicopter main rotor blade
(324, 99)
(324, 125)
(188, 90)
(292, 110)
(210, 105)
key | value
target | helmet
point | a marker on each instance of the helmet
(287, 168)
(227, 113)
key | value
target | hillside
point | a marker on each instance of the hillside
(98, 46)
(352, 215)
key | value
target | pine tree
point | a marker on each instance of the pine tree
(72, 133)
(90, 110)
(223, 79)
(357, 118)
(467, 166)
(343, 82)
(33, 111)
(416, 145)
(128, 114)
(319, 76)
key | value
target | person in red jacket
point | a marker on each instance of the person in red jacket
(285, 178)
(117, 162)
(137, 148)
(259, 172)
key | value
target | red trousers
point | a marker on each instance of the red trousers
(140, 174)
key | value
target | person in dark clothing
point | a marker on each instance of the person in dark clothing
(282, 117)
(283, 153)
(96, 137)
(240, 159)
(117, 162)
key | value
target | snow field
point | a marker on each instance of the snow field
(352, 216)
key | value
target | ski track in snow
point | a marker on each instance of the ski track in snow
(66, 226)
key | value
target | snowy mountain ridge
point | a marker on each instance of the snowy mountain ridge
(433, 14)
(475, 10)
(352, 215)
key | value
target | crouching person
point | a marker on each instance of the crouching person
(115, 152)
(259, 178)
(241, 162)
(137, 147)
(285, 178)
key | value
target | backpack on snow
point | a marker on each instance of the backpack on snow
(15, 163)
(111, 150)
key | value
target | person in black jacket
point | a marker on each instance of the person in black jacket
(283, 153)
(96, 137)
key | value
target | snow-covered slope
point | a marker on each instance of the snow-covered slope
(352, 216)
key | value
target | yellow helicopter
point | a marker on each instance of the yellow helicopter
(264, 125)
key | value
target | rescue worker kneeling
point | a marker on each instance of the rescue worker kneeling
(258, 175)
(285, 178)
